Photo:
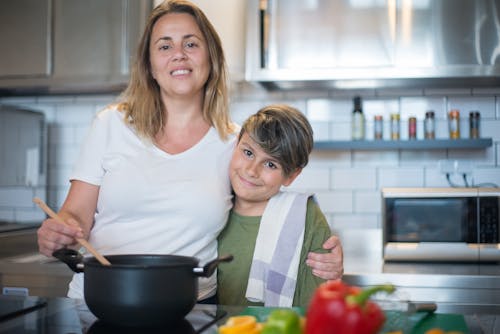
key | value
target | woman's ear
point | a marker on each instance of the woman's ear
(292, 177)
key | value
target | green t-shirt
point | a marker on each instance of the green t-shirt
(238, 238)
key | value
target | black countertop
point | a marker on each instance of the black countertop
(64, 315)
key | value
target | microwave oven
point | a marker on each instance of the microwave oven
(441, 224)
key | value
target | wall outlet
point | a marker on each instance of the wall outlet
(446, 166)
(455, 166)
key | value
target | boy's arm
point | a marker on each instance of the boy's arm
(327, 265)
(315, 234)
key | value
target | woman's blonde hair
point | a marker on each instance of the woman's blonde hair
(141, 101)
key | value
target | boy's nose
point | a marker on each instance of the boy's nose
(252, 168)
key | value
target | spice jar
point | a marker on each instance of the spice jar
(412, 128)
(474, 120)
(454, 123)
(394, 126)
(429, 125)
(378, 127)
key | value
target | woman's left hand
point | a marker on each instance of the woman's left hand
(329, 266)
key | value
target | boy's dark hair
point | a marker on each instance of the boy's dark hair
(284, 133)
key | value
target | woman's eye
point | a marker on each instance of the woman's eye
(191, 45)
(165, 47)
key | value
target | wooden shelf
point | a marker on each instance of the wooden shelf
(427, 144)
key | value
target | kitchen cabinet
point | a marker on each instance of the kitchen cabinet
(69, 45)
(25, 37)
(431, 144)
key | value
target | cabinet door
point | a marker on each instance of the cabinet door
(96, 39)
(25, 38)
(88, 38)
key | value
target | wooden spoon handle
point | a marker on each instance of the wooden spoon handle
(81, 241)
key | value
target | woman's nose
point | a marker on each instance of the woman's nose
(179, 53)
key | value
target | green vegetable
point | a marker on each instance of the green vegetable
(282, 321)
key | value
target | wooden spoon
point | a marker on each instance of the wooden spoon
(81, 241)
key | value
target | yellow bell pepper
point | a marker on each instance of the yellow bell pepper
(242, 324)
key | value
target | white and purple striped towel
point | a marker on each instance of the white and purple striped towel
(273, 273)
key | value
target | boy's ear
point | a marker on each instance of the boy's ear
(292, 177)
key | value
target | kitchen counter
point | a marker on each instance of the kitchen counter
(64, 315)
(35, 275)
(23, 268)
(17, 239)
(363, 255)
(472, 288)
(10, 227)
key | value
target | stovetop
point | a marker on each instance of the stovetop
(64, 315)
(13, 306)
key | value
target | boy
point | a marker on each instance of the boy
(269, 231)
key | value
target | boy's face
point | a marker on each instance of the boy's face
(254, 174)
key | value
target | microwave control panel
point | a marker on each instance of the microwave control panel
(489, 220)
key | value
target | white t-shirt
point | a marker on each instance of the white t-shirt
(152, 202)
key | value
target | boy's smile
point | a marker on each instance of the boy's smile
(255, 177)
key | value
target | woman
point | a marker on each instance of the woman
(152, 176)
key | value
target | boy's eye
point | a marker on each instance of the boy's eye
(248, 153)
(271, 165)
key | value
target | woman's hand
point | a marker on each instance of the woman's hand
(53, 235)
(77, 211)
(329, 266)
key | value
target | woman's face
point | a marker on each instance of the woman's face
(179, 56)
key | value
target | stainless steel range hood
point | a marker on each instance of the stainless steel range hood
(352, 44)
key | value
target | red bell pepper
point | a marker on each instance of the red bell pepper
(343, 309)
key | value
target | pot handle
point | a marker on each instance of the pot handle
(72, 258)
(209, 268)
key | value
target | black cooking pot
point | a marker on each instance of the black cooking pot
(140, 290)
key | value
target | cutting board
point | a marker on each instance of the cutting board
(416, 323)
(420, 322)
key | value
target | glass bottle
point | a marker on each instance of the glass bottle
(412, 128)
(378, 127)
(358, 120)
(429, 125)
(474, 121)
(394, 126)
(454, 123)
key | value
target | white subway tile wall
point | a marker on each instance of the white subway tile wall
(354, 178)
(347, 183)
